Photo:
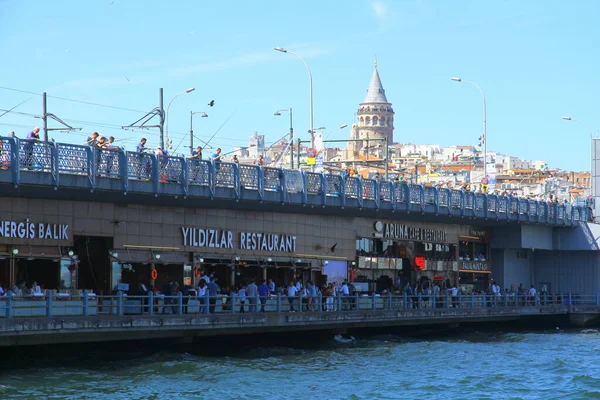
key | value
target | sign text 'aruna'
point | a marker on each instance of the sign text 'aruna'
(405, 232)
(30, 230)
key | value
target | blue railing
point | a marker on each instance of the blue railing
(57, 164)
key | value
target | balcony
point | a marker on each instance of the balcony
(59, 165)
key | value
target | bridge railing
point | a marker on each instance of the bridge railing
(19, 157)
(86, 303)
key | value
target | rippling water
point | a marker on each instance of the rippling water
(476, 366)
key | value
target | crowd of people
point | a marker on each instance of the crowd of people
(106, 164)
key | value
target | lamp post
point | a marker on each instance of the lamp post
(592, 177)
(192, 113)
(484, 123)
(312, 131)
(277, 113)
(167, 117)
(329, 133)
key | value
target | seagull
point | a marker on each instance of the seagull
(212, 103)
(127, 79)
(111, 3)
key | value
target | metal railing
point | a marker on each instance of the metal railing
(23, 157)
(89, 304)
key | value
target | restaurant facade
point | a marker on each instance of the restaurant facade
(67, 244)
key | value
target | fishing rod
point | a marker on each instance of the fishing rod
(206, 144)
(7, 111)
(215, 134)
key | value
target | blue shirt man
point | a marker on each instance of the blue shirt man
(141, 147)
(216, 159)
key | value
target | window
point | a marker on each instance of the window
(362, 121)
(382, 121)
(368, 121)
(375, 120)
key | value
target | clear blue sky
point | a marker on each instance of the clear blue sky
(535, 60)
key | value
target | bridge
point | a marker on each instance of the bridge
(73, 168)
(51, 319)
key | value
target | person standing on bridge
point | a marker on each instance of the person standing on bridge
(263, 292)
(291, 295)
(252, 293)
(213, 290)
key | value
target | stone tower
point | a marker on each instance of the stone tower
(375, 121)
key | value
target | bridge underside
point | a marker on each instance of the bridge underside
(38, 331)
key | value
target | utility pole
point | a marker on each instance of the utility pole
(161, 126)
(45, 116)
(387, 159)
(292, 142)
(191, 131)
(298, 151)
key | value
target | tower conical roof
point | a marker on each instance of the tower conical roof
(375, 92)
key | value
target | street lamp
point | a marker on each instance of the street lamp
(312, 137)
(167, 116)
(278, 113)
(192, 113)
(592, 178)
(456, 79)
(329, 133)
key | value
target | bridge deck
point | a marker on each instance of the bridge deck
(68, 168)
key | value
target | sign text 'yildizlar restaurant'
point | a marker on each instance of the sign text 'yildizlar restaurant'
(31, 230)
(216, 238)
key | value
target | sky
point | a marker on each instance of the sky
(535, 60)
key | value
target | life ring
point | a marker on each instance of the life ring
(197, 272)
(154, 274)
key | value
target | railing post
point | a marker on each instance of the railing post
(420, 301)
(15, 161)
(123, 169)
(207, 303)
(85, 303)
(150, 303)
(185, 179)
(459, 299)
(120, 303)
(570, 299)
(256, 302)
(278, 302)
(484, 303)
(389, 300)
(447, 301)
(300, 301)
(472, 300)
(374, 304)
(405, 301)
(339, 302)
(505, 300)
(356, 301)
(9, 305)
(598, 299)
(180, 303)
(320, 302)
(48, 305)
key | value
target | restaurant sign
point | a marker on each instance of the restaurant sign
(475, 266)
(406, 232)
(31, 230)
(215, 238)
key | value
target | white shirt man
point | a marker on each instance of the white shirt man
(496, 289)
(532, 292)
(298, 285)
(344, 290)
